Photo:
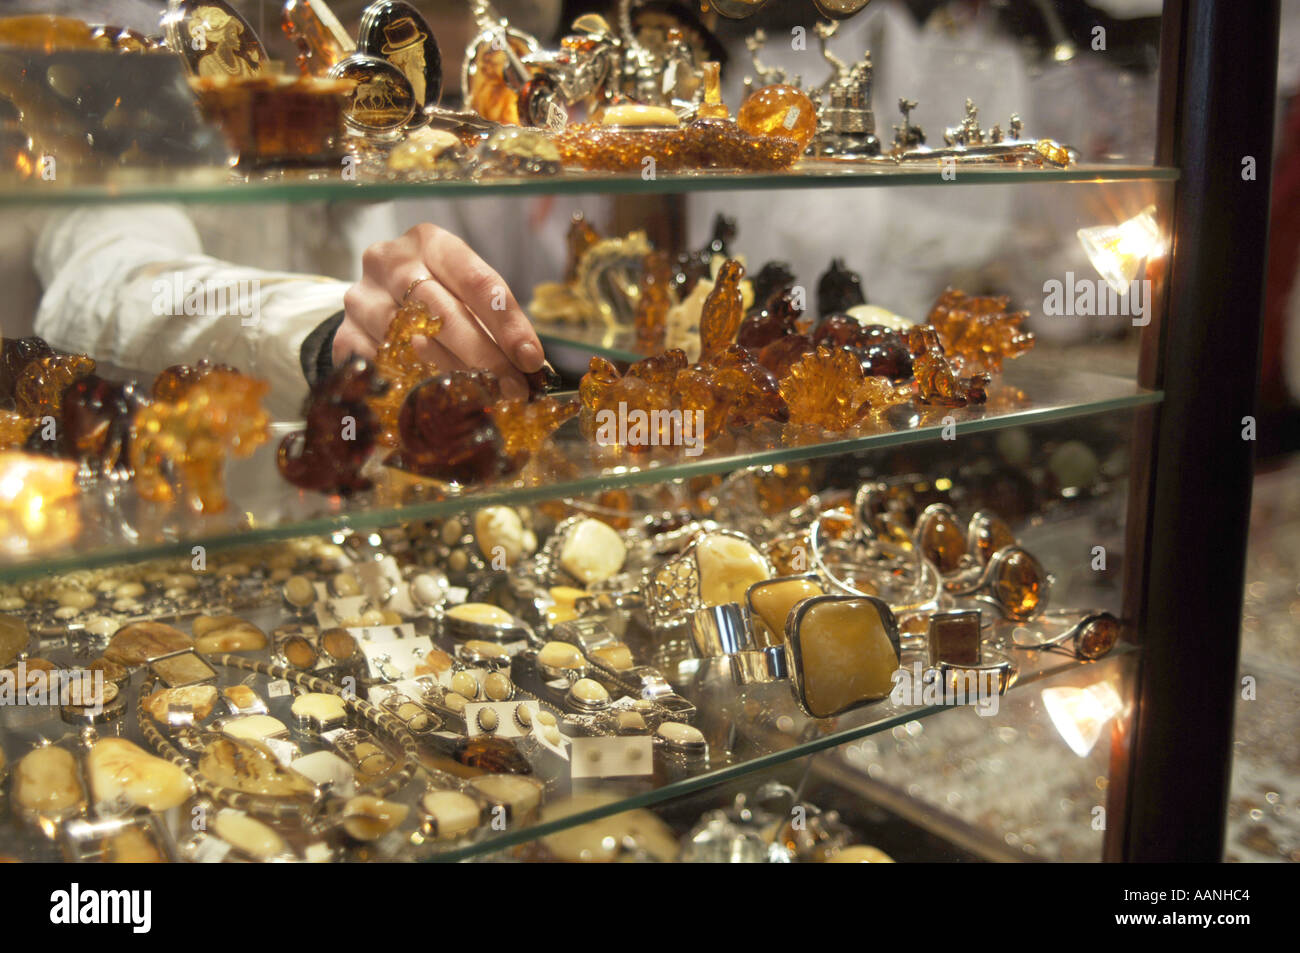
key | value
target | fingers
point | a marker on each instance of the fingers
(463, 273)
(464, 337)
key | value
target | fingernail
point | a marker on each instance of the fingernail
(528, 357)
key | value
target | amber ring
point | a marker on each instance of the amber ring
(1014, 581)
(897, 568)
(410, 289)
(1091, 634)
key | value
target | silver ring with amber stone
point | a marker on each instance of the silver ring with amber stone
(879, 569)
(1091, 634)
(1014, 581)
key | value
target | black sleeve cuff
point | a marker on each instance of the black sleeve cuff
(317, 354)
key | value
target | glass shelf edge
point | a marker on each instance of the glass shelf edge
(16, 195)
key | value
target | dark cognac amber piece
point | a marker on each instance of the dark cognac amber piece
(838, 329)
(839, 289)
(15, 355)
(96, 422)
(773, 277)
(447, 431)
(341, 432)
(542, 381)
(884, 353)
(980, 330)
(779, 317)
(723, 311)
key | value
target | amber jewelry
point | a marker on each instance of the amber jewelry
(904, 580)
(1014, 581)
(713, 568)
(959, 658)
(1090, 635)
(844, 651)
(410, 289)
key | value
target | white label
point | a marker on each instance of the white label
(277, 689)
(396, 659)
(791, 117)
(383, 633)
(456, 595)
(211, 850)
(556, 117)
(332, 612)
(617, 757)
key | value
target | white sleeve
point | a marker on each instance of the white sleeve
(130, 285)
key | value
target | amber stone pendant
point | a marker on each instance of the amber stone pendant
(1019, 583)
(395, 31)
(213, 39)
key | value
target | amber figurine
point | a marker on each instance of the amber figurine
(777, 318)
(400, 365)
(525, 425)
(651, 317)
(580, 238)
(724, 309)
(937, 381)
(341, 431)
(839, 289)
(827, 390)
(713, 107)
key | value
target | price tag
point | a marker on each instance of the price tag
(617, 757)
(556, 117)
(383, 633)
(277, 689)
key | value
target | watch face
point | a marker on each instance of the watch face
(395, 31)
(212, 39)
(382, 100)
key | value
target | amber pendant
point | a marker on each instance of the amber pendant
(395, 31)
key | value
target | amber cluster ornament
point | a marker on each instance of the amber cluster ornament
(328, 456)
(400, 365)
(700, 144)
(827, 390)
(179, 448)
(981, 330)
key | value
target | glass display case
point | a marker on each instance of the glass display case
(864, 510)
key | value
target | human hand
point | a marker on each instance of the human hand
(482, 323)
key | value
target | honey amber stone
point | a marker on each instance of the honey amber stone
(942, 541)
(773, 600)
(600, 377)
(779, 110)
(447, 431)
(728, 566)
(179, 447)
(826, 389)
(1020, 584)
(651, 316)
(991, 534)
(525, 425)
(39, 389)
(846, 656)
(980, 329)
(341, 431)
(400, 365)
(723, 311)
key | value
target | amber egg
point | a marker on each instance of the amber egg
(779, 110)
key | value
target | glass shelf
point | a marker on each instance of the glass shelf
(264, 507)
(792, 735)
(217, 186)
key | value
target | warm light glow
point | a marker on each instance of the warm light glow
(1118, 251)
(1079, 714)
